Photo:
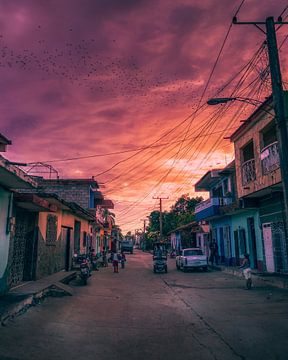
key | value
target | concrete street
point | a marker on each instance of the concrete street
(140, 315)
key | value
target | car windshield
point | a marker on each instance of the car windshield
(193, 252)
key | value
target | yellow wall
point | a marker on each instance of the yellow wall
(65, 219)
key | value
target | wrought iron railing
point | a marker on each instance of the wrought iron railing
(248, 171)
(270, 158)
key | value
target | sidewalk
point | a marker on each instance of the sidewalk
(27, 294)
(277, 280)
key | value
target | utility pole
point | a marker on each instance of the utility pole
(279, 103)
(160, 219)
(144, 225)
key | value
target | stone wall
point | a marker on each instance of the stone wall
(79, 193)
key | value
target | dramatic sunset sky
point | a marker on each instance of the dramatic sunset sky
(117, 89)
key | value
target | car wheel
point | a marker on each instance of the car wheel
(205, 268)
(177, 266)
(166, 269)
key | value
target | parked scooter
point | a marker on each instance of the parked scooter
(82, 262)
(85, 271)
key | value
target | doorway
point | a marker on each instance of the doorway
(66, 241)
(268, 246)
(252, 238)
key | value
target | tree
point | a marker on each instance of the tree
(181, 213)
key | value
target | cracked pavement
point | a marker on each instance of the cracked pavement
(137, 314)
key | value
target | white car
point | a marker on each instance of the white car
(191, 258)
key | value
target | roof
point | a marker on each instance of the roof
(13, 177)
(53, 200)
(229, 169)
(208, 180)
(55, 182)
(4, 140)
(183, 227)
(105, 203)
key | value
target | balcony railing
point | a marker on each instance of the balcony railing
(270, 158)
(248, 171)
(210, 206)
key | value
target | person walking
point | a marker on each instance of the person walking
(246, 270)
(115, 263)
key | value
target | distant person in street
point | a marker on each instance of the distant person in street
(213, 253)
(115, 263)
(123, 260)
(104, 259)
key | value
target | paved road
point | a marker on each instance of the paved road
(140, 315)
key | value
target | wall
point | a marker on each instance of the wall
(4, 238)
(78, 193)
(51, 257)
(239, 221)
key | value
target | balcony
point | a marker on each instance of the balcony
(248, 172)
(270, 158)
(211, 207)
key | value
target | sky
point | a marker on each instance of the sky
(117, 89)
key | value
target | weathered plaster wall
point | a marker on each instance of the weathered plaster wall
(51, 257)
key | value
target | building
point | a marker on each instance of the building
(233, 226)
(85, 193)
(259, 181)
(11, 179)
(192, 234)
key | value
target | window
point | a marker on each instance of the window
(269, 153)
(193, 252)
(77, 233)
(268, 135)
(84, 239)
(51, 230)
(248, 152)
(248, 163)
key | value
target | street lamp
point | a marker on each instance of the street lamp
(225, 100)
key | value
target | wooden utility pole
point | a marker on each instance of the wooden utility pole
(279, 104)
(144, 225)
(160, 218)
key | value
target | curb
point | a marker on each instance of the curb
(57, 289)
(274, 281)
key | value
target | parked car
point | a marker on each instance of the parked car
(191, 258)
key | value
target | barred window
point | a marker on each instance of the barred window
(51, 230)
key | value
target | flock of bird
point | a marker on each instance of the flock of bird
(81, 64)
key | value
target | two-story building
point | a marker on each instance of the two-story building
(259, 180)
(233, 226)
